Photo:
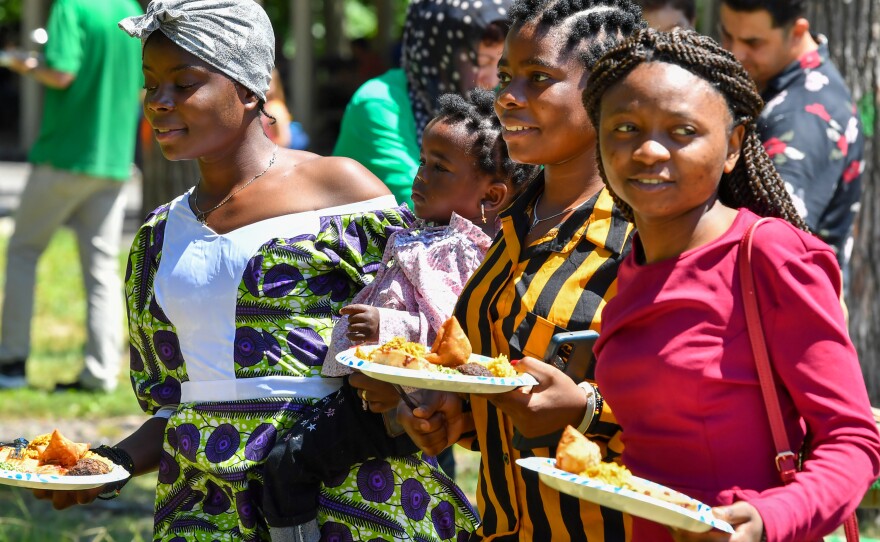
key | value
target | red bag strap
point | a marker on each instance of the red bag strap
(786, 461)
(785, 458)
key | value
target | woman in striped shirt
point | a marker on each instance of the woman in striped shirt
(551, 270)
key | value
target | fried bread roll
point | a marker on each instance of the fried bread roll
(575, 452)
(451, 348)
(398, 352)
(62, 451)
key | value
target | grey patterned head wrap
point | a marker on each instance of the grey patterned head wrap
(436, 35)
(234, 36)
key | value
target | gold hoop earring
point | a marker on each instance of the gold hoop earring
(483, 212)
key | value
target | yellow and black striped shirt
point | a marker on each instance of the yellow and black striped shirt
(514, 303)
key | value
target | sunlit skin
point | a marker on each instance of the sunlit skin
(665, 140)
(666, 19)
(450, 180)
(539, 102)
(194, 109)
(762, 49)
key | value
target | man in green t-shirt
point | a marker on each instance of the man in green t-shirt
(81, 159)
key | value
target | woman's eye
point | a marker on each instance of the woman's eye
(503, 78)
(684, 131)
(540, 77)
(625, 128)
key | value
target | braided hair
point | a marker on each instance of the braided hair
(754, 182)
(590, 27)
(477, 114)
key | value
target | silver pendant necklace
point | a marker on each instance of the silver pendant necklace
(536, 220)
(202, 216)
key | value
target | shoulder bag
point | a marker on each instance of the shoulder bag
(786, 460)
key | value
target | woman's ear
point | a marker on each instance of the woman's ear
(247, 96)
(496, 196)
(734, 147)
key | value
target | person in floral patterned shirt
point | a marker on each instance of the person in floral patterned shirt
(809, 125)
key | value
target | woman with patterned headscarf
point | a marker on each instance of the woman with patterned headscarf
(232, 292)
(448, 46)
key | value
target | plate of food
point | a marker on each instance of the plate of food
(449, 365)
(52, 461)
(579, 471)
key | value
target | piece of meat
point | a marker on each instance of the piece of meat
(88, 466)
(473, 369)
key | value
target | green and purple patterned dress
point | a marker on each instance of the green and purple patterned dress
(228, 335)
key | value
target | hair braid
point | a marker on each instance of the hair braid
(477, 114)
(589, 27)
(754, 182)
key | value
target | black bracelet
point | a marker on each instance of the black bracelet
(117, 455)
(120, 457)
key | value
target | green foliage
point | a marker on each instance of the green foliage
(10, 11)
(360, 20)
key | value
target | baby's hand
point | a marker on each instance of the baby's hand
(363, 323)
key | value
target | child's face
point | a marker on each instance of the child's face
(665, 141)
(448, 179)
(539, 99)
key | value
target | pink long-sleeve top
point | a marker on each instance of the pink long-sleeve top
(424, 269)
(674, 360)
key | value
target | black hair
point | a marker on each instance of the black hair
(261, 108)
(783, 12)
(592, 26)
(688, 7)
(495, 32)
(754, 182)
(477, 114)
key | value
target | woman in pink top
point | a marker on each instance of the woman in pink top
(676, 116)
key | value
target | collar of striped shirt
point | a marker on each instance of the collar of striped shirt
(601, 216)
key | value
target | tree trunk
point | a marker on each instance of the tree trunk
(853, 30)
(163, 180)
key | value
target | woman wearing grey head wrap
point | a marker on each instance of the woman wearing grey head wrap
(448, 46)
(232, 291)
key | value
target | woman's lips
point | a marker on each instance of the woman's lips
(165, 134)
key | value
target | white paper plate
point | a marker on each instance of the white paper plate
(53, 481)
(433, 381)
(625, 500)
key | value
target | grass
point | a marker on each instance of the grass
(58, 339)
